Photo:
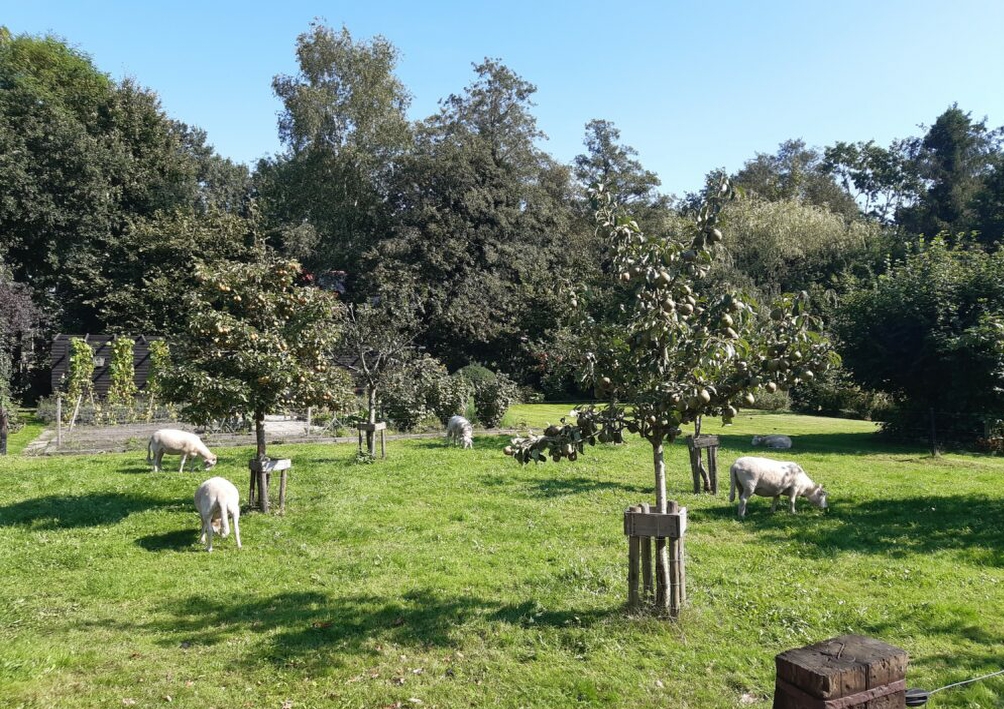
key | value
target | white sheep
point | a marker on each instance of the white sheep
(772, 478)
(775, 441)
(175, 442)
(460, 432)
(215, 499)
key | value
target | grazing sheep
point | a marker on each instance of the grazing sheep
(775, 441)
(460, 432)
(175, 442)
(772, 478)
(215, 499)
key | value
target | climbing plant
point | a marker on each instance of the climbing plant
(122, 390)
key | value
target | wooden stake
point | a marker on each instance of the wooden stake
(646, 560)
(674, 567)
(263, 490)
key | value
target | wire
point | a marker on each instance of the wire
(919, 697)
(968, 681)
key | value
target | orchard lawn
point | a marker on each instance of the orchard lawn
(448, 578)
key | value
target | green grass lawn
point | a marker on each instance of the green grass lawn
(449, 578)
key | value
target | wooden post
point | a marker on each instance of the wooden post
(371, 430)
(263, 490)
(59, 421)
(674, 567)
(308, 419)
(706, 478)
(847, 672)
(646, 560)
(261, 473)
(641, 524)
(633, 566)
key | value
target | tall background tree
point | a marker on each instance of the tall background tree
(85, 159)
(344, 128)
(481, 210)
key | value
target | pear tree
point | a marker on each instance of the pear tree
(257, 342)
(665, 350)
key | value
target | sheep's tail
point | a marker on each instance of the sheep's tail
(732, 484)
(149, 450)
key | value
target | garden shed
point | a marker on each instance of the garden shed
(102, 346)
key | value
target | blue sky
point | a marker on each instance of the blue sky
(691, 85)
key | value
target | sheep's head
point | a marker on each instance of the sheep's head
(467, 441)
(817, 496)
(210, 462)
(756, 440)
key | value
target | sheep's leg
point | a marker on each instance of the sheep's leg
(773, 505)
(202, 539)
(237, 528)
(224, 522)
(158, 458)
(184, 457)
(742, 505)
(209, 533)
(791, 506)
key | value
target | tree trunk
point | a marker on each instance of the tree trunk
(660, 471)
(371, 418)
(259, 432)
(4, 421)
(662, 597)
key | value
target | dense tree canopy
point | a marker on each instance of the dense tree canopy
(931, 330)
(480, 212)
(109, 207)
(85, 157)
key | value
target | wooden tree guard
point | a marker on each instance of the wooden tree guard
(708, 477)
(641, 525)
(261, 473)
(850, 671)
(380, 426)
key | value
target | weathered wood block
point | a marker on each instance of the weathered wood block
(702, 441)
(270, 466)
(378, 426)
(850, 671)
(670, 525)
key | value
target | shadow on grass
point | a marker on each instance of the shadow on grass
(560, 487)
(971, 524)
(312, 630)
(862, 443)
(70, 511)
(176, 540)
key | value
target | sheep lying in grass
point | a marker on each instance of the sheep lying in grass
(215, 500)
(772, 478)
(775, 441)
(460, 432)
(175, 442)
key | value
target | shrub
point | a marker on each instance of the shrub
(408, 397)
(492, 399)
(475, 374)
(772, 401)
(835, 394)
(448, 397)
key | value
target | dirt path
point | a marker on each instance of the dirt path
(134, 436)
